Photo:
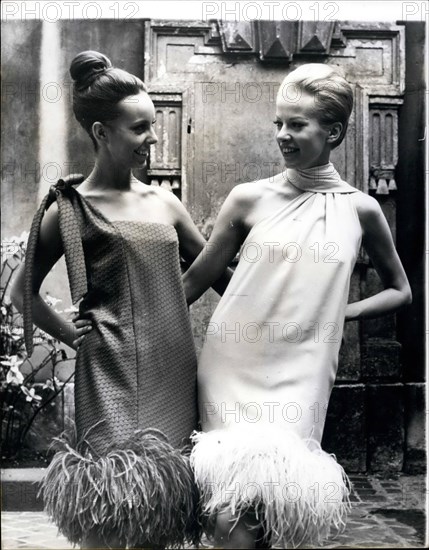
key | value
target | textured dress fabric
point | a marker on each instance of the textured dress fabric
(270, 359)
(137, 368)
(135, 380)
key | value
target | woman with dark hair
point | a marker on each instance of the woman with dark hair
(125, 482)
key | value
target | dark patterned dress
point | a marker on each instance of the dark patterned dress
(135, 380)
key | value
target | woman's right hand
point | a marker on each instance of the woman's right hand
(82, 328)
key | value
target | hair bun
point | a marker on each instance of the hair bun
(86, 66)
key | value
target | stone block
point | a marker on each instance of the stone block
(349, 359)
(415, 425)
(385, 427)
(19, 489)
(380, 327)
(344, 433)
(381, 360)
(349, 365)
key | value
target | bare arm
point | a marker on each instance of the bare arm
(191, 243)
(224, 243)
(379, 245)
(48, 252)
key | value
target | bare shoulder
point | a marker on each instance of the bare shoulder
(368, 210)
(247, 194)
(158, 195)
(249, 202)
(365, 203)
(49, 235)
(50, 219)
(156, 191)
(168, 203)
(164, 195)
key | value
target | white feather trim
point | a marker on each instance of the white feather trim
(300, 490)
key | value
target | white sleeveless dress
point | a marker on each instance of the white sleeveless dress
(269, 363)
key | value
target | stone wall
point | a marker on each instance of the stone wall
(219, 81)
(29, 164)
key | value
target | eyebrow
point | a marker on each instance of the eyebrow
(140, 122)
(144, 121)
(297, 117)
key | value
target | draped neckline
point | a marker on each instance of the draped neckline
(319, 179)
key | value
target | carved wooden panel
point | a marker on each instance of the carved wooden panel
(165, 166)
(167, 127)
(383, 149)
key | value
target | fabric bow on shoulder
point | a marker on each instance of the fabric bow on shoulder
(72, 244)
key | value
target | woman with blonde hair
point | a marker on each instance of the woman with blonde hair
(270, 357)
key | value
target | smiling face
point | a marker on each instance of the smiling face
(128, 137)
(303, 142)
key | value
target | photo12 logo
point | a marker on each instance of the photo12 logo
(269, 11)
(52, 12)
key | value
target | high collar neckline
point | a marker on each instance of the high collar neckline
(319, 179)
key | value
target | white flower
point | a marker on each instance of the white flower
(14, 375)
(17, 333)
(51, 383)
(30, 394)
(14, 245)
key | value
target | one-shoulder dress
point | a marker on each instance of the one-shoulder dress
(135, 380)
(269, 362)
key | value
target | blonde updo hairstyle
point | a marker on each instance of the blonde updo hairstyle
(333, 94)
(98, 88)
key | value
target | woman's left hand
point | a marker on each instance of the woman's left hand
(378, 242)
(82, 328)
